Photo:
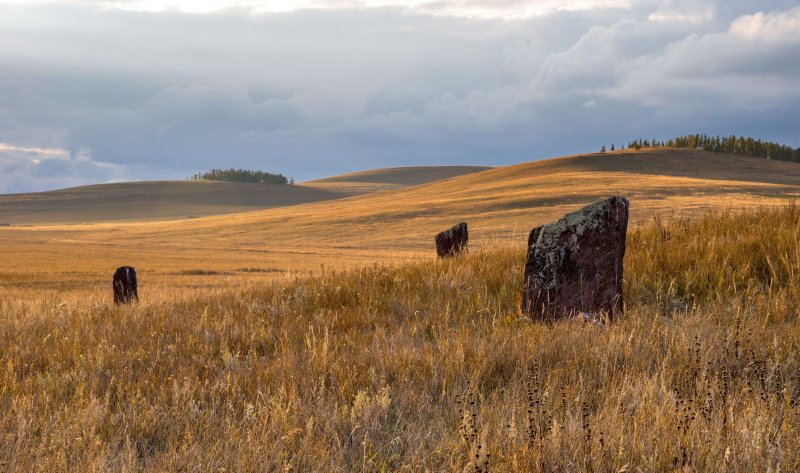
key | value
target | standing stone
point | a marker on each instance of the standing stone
(125, 285)
(574, 265)
(452, 241)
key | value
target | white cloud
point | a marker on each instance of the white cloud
(24, 151)
(747, 66)
(684, 11)
(768, 27)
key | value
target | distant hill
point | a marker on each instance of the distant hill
(171, 200)
(151, 200)
(365, 182)
(747, 146)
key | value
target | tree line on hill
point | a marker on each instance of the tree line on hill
(242, 175)
(726, 144)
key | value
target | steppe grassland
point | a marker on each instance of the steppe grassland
(75, 262)
(427, 366)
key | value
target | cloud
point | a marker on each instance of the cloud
(25, 169)
(775, 27)
(486, 9)
(309, 93)
(46, 153)
(747, 66)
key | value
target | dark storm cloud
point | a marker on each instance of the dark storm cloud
(310, 93)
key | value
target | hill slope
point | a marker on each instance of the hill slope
(391, 178)
(174, 200)
(395, 226)
(151, 200)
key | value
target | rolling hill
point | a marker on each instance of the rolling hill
(174, 200)
(500, 204)
(377, 180)
(151, 200)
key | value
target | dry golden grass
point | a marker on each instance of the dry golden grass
(390, 227)
(425, 367)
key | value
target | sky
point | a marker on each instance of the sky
(111, 90)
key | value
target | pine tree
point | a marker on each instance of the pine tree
(728, 144)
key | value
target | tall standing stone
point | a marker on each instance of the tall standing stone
(125, 290)
(452, 241)
(574, 265)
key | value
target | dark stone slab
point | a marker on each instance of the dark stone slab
(125, 290)
(452, 241)
(574, 265)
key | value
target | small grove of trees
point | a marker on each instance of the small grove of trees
(613, 148)
(726, 144)
(242, 175)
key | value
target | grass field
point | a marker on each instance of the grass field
(326, 337)
(425, 367)
(391, 227)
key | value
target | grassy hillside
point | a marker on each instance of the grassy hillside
(393, 178)
(425, 367)
(176, 200)
(391, 227)
(151, 200)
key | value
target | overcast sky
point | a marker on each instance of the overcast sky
(105, 90)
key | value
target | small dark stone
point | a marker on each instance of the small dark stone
(125, 285)
(574, 265)
(452, 241)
